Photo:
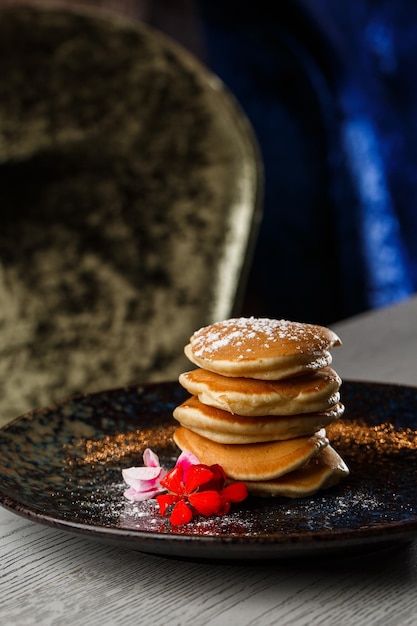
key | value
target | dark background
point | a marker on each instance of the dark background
(330, 91)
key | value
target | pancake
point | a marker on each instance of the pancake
(252, 462)
(261, 348)
(308, 393)
(325, 470)
(224, 427)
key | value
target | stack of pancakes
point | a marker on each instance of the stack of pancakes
(262, 395)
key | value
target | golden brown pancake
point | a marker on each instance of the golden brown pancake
(325, 470)
(257, 461)
(308, 393)
(261, 347)
(224, 427)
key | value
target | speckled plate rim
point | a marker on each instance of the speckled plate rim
(225, 548)
(214, 548)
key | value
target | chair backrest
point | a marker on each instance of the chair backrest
(130, 185)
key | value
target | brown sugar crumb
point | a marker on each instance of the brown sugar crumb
(112, 448)
(361, 438)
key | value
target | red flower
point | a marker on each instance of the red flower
(201, 491)
(235, 492)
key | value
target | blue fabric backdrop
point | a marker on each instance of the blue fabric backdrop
(330, 89)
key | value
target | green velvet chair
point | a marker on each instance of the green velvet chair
(130, 191)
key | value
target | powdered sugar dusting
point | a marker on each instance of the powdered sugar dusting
(250, 336)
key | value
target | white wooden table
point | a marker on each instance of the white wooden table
(51, 577)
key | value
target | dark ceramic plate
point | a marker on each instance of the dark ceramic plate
(61, 466)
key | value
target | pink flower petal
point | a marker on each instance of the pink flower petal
(139, 496)
(150, 458)
(134, 475)
(144, 482)
(186, 460)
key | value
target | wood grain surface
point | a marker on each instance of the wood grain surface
(50, 578)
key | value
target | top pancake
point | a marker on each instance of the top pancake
(261, 348)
